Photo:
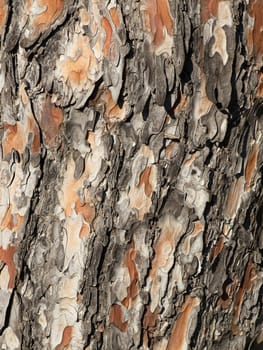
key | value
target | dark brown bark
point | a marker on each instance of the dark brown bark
(131, 174)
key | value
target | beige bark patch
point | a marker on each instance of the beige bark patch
(115, 16)
(11, 339)
(4, 278)
(140, 196)
(163, 260)
(225, 14)
(79, 66)
(16, 136)
(42, 320)
(220, 45)
(113, 112)
(143, 182)
(202, 104)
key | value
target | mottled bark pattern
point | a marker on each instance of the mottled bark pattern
(131, 174)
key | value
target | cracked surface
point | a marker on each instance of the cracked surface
(131, 174)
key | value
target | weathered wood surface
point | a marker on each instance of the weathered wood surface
(131, 174)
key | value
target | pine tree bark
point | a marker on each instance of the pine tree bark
(131, 174)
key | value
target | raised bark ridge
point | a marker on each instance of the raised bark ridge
(131, 174)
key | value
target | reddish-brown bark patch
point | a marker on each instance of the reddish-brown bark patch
(3, 13)
(112, 109)
(15, 138)
(198, 228)
(7, 221)
(170, 150)
(50, 122)
(178, 336)
(249, 277)
(53, 10)
(145, 180)
(251, 165)
(189, 161)
(76, 70)
(66, 338)
(36, 136)
(181, 104)
(208, 8)
(249, 34)
(88, 213)
(11, 221)
(7, 256)
(100, 327)
(85, 231)
(86, 210)
(150, 319)
(255, 11)
(115, 16)
(79, 66)
(68, 194)
(108, 31)
(150, 322)
(260, 84)
(216, 250)
(116, 318)
(163, 257)
(132, 290)
(158, 18)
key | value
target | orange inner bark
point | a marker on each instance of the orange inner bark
(132, 290)
(114, 13)
(108, 30)
(52, 12)
(208, 8)
(3, 13)
(116, 318)
(66, 338)
(251, 165)
(158, 13)
(145, 180)
(50, 122)
(178, 336)
(249, 276)
(255, 11)
(7, 256)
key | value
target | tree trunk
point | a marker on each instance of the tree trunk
(131, 174)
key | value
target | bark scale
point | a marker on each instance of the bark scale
(131, 174)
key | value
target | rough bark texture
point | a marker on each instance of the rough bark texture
(131, 156)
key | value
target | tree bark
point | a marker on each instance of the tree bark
(131, 174)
